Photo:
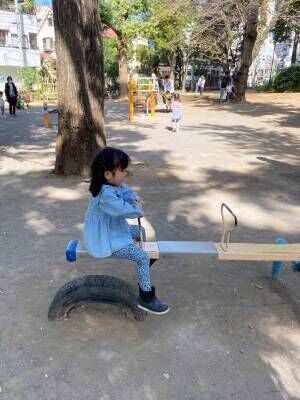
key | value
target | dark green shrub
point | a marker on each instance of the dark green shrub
(288, 79)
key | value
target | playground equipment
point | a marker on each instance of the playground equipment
(46, 115)
(108, 289)
(142, 93)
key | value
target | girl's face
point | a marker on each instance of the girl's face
(115, 177)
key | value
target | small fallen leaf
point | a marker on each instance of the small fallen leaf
(258, 286)
(167, 376)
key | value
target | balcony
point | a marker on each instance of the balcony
(10, 56)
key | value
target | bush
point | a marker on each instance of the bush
(268, 88)
(29, 77)
(288, 79)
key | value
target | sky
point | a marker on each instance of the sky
(43, 2)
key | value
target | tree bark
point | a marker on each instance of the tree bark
(123, 69)
(184, 75)
(80, 78)
(249, 38)
(172, 61)
(295, 46)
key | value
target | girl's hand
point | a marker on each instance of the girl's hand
(139, 202)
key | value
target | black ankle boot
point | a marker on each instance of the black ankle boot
(149, 302)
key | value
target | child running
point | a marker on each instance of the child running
(106, 231)
(176, 112)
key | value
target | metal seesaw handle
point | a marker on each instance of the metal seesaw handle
(226, 232)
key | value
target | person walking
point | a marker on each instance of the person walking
(11, 94)
(201, 84)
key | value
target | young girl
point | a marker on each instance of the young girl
(106, 231)
(176, 112)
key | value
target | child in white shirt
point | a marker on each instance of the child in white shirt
(1, 105)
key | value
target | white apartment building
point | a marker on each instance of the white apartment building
(272, 57)
(16, 28)
(46, 35)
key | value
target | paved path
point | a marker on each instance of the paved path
(231, 332)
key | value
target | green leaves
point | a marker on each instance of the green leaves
(125, 17)
(288, 20)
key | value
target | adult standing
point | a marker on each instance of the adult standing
(201, 84)
(225, 81)
(11, 94)
(168, 87)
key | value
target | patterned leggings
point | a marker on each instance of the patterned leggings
(134, 253)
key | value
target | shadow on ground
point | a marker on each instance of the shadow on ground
(224, 337)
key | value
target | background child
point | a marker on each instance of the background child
(106, 231)
(176, 112)
(1, 105)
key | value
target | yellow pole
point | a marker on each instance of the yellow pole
(152, 99)
(131, 103)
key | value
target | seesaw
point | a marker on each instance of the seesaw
(112, 290)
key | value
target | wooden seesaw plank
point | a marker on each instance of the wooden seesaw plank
(259, 252)
(154, 249)
(234, 251)
(77, 248)
(186, 247)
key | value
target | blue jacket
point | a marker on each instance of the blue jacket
(105, 227)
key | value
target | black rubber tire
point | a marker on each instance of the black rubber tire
(95, 288)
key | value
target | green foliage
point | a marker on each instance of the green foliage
(288, 80)
(28, 6)
(288, 20)
(146, 56)
(28, 76)
(170, 22)
(268, 88)
(111, 65)
(126, 17)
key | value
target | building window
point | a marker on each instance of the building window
(50, 20)
(3, 37)
(48, 44)
(33, 40)
(14, 40)
(25, 43)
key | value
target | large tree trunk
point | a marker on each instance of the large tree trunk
(295, 46)
(250, 35)
(172, 62)
(123, 70)
(80, 85)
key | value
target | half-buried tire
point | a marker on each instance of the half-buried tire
(95, 288)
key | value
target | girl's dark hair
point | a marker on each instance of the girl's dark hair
(176, 96)
(108, 159)
(9, 77)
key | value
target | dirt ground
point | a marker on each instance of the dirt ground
(232, 332)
